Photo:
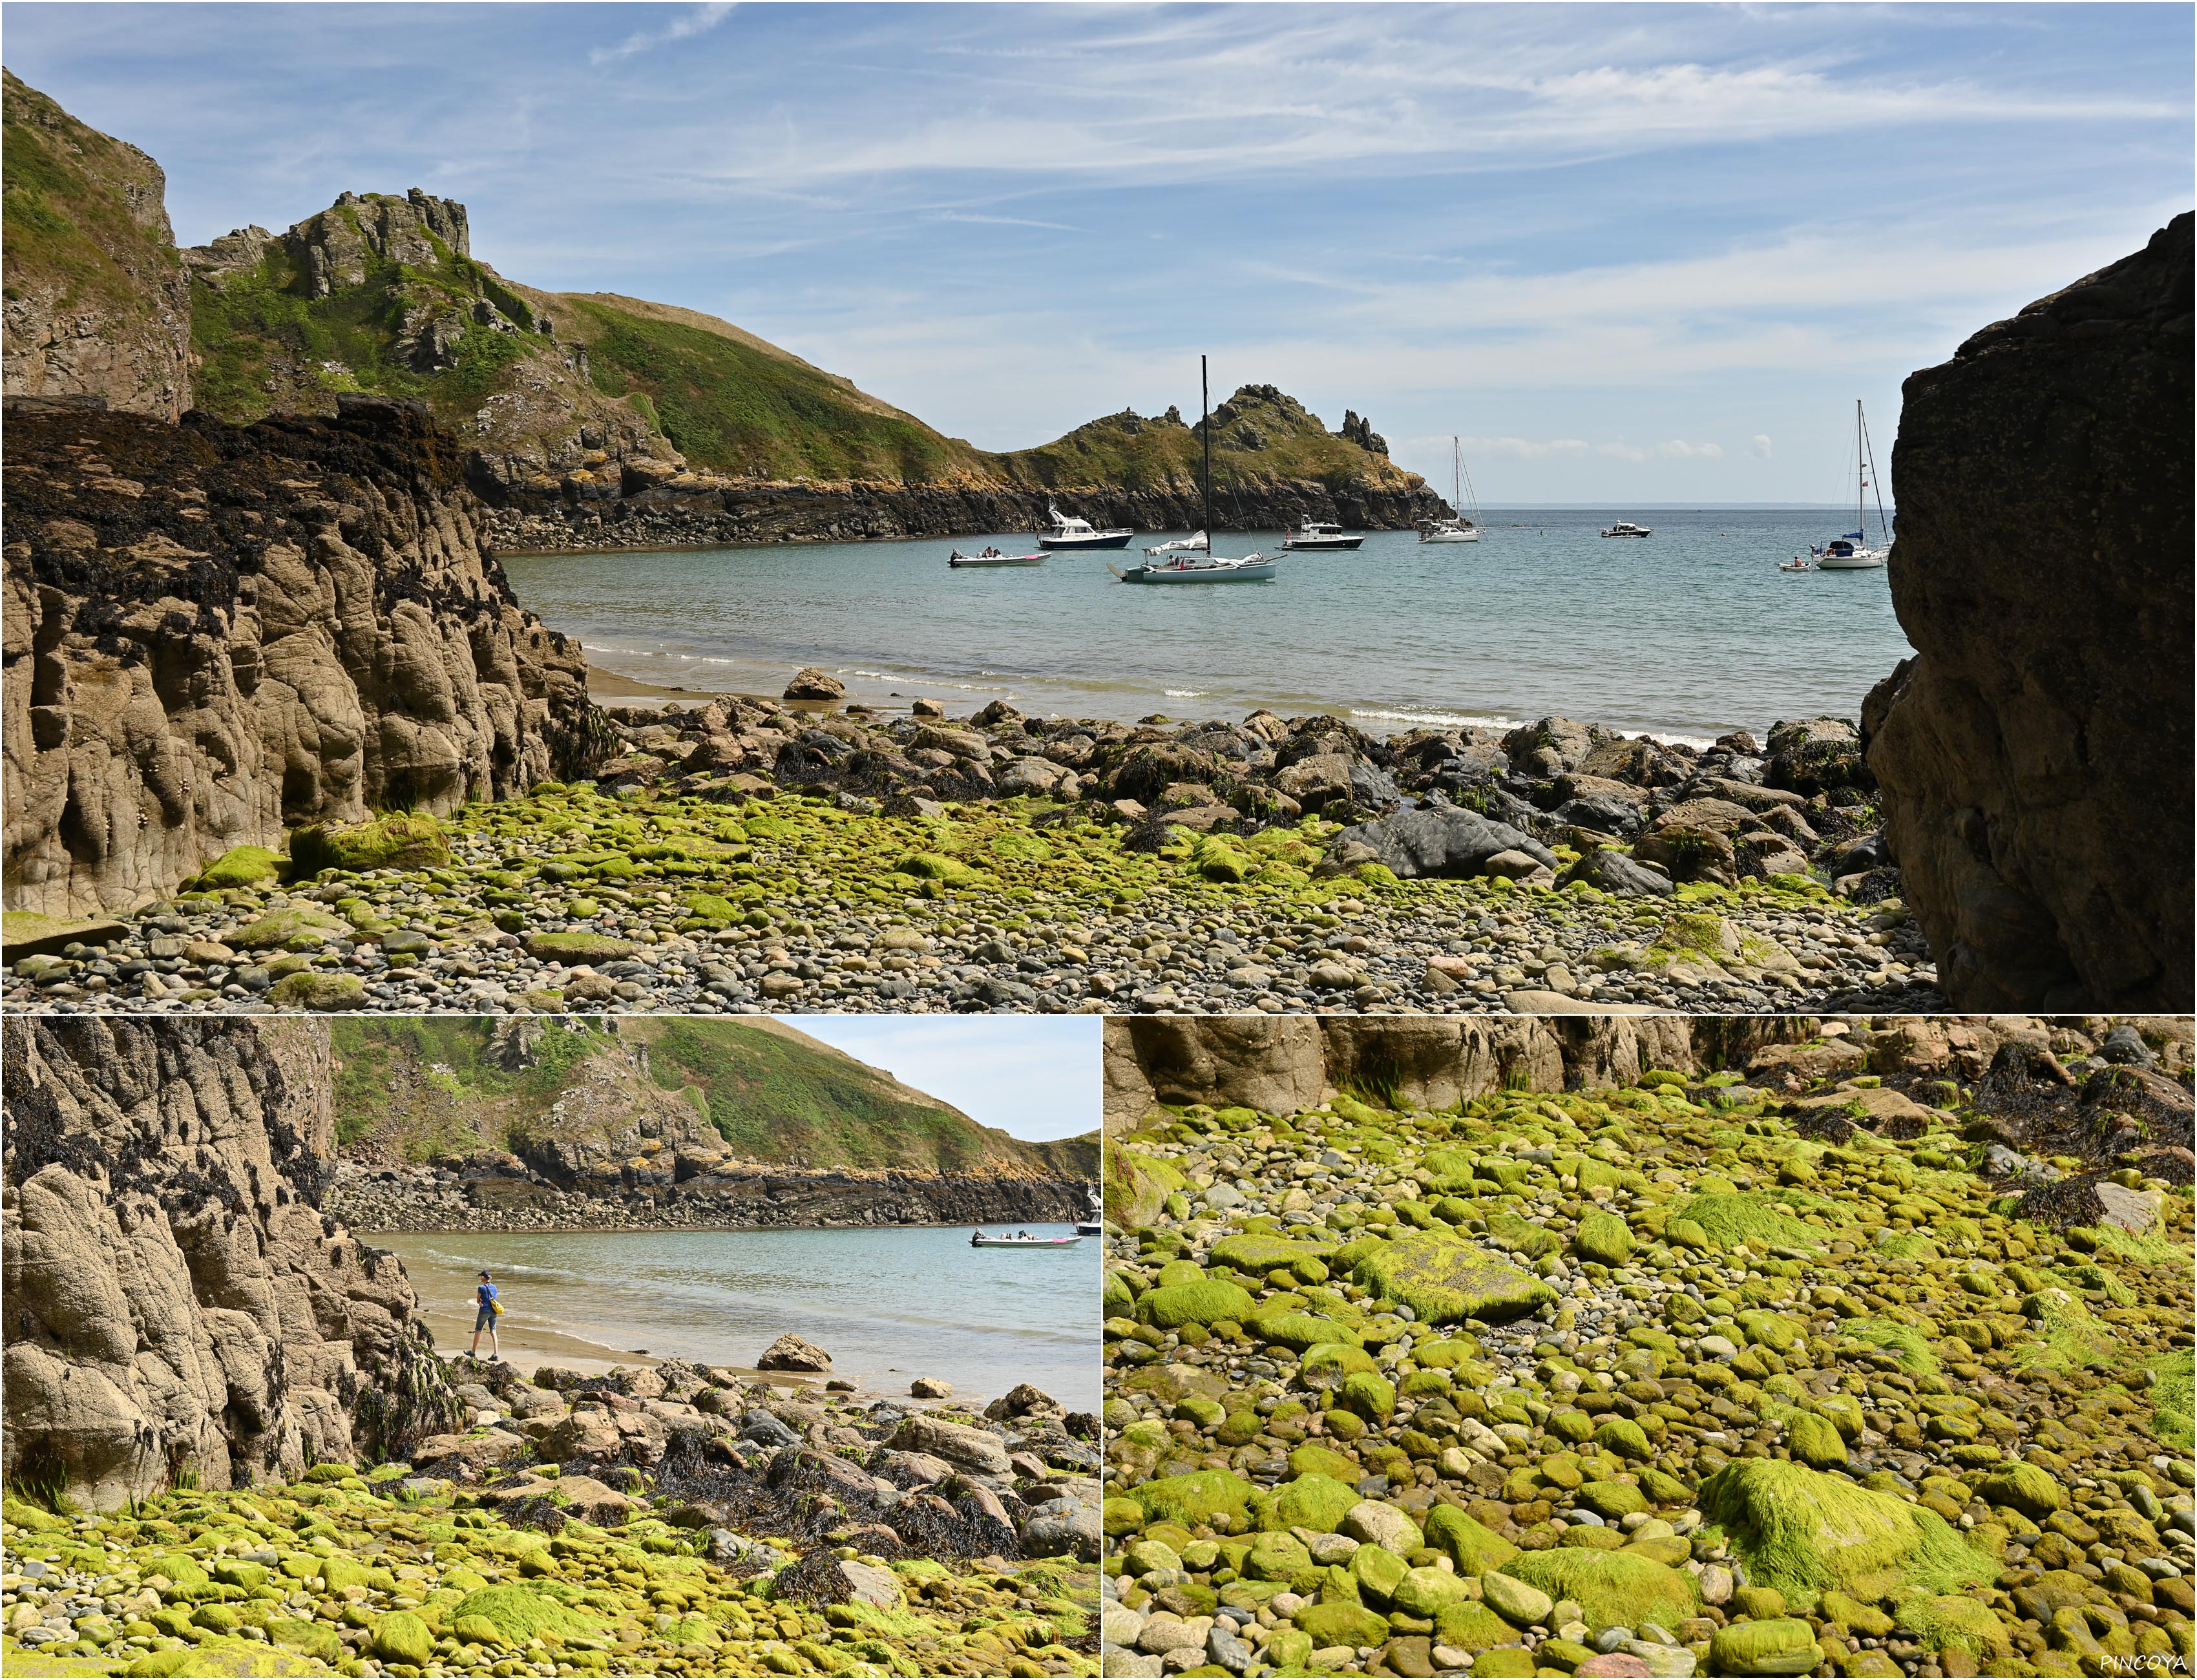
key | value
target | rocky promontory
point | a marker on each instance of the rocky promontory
(2035, 755)
(179, 1306)
(217, 635)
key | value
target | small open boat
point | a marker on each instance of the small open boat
(978, 1240)
(993, 557)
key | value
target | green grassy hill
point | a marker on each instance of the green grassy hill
(421, 1086)
(380, 293)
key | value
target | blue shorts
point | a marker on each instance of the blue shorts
(485, 1320)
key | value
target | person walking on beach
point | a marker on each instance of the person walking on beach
(487, 1310)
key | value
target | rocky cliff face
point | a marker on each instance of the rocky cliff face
(214, 633)
(176, 1301)
(97, 306)
(2035, 756)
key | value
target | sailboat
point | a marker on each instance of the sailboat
(1848, 552)
(1180, 568)
(1456, 528)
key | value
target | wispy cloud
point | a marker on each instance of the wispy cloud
(1759, 448)
(699, 21)
(1004, 221)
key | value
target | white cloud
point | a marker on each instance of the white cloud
(1761, 447)
(699, 21)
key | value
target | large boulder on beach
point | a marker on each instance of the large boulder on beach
(2034, 757)
(1447, 842)
(811, 684)
(791, 1352)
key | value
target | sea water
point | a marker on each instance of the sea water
(1687, 634)
(888, 1305)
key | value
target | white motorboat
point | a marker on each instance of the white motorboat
(1250, 569)
(1092, 1223)
(1456, 528)
(1317, 534)
(993, 557)
(1070, 532)
(1851, 552)
(1626, 528)
(1021, 1240)
(1170, 563)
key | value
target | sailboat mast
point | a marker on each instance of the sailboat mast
(1205, 426)
(1883, 528)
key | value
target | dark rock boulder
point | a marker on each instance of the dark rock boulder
(1447, 842)
(2035, 756)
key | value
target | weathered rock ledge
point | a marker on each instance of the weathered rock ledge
(177, 1302)
(215, 633)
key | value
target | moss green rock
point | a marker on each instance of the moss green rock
(2028, 1489)
(1472, 1546)
(1372, 1397)
(320, 992)
(572, 948)
(280, 927)
(518, 1613)
(1341, 1624)
(1427, 1592)
(401, 840)
(1444, 1279)
(1613, 1589)
(402, 1636)
(242, 866)
(1603, 1238)
(1504, 1662)
(1612, 1499)
(1815, 1441)
(1172, 1306)
(1315, 1501)
(1756, 1648)
(1300, 1331)
(1195, 1499)
(1471, 1626)
(1625, 1439)
(1806, 1532)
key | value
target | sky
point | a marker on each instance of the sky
(1032, 1076)
(1630, 254)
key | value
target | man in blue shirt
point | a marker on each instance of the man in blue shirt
(484, 1315)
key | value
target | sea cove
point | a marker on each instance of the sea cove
(889, 1305)
(1689, 635)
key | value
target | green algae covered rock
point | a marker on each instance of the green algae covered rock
(280, 927)
(1472, 1546)
(1138, 1187)
(401, 840)
(1806, 1532)
(1471, 1626)
(1314, 1501)
(1194, 1499)
(241, 867)
(1341, 1624)
(517, 1613)
(1730, 1219)
(1300, 1331)
(1957, 1621)
(573, 948)
(1258, 1253)
(1603, 1238)
(1764, 1647)
(1172, 1306)
(315, 1639)
(2026, 1488)
(402, 1636)
(1504, 1662)
(1815, 1441)
(323, 993)
(1444, 1279)
(1613, 1589)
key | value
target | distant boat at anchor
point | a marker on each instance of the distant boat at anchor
(1456, 528)
(1169, 564)
(1070, 532)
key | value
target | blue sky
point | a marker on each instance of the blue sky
(1034, 1077)
(1631, 253)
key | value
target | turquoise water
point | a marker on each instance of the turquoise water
(1690, 633)
(888, 1305)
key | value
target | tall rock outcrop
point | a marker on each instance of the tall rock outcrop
(176, 1299)
(2035, 756)
(97, 306)
(215, 633)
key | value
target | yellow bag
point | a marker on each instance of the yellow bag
(495, 1306)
